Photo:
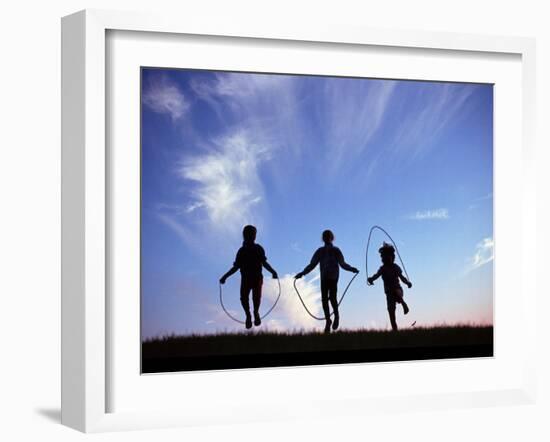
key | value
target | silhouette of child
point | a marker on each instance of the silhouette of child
(249, 260)
(391, 273)
(329, 258)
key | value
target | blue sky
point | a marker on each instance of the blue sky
(295, 155)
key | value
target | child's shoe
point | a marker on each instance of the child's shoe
(257, 319)
(248, 322)
(336, 322)
(327, 326)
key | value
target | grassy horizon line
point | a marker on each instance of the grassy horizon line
(314, 331)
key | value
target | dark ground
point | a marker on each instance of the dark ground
(269, 349)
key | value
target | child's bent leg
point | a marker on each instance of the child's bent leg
(400, 300)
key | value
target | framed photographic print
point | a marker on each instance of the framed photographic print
(300, 162)
(251, 209)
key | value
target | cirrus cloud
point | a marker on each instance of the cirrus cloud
(163, 96)
(225, 182)
(484, 253)
(437, 214)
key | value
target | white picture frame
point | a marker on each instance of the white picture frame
(86, 205)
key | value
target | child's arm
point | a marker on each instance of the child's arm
(266, 265)
(270, 269)
(374, 277)
(228, 274)
(405, 280)
(236, 266)
(343, 262)
(402, 277)
(314, 261)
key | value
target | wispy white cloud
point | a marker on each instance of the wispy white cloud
(226, 182)
(437, 109)
(193, 206)
(477, 201)
(240, 99)
(171, 220)
(484, 254)
(487, 196)
(164, 97)
(238, 85)
(353, 112)
(437, 214)
(223, 178)
(223, 188)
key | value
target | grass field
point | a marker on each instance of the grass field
(258, 343)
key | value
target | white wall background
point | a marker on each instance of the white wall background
(30, 215)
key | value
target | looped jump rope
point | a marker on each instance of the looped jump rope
(394, 245)
(261, 317)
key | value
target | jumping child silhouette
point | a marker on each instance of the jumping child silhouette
(329, 258)
(249, 260)
(391, 273)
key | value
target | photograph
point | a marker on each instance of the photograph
(304, 219)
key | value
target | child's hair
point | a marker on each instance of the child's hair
(387, 253)
(249, 233)
(328, 236)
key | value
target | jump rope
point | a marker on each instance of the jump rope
(373, 228)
